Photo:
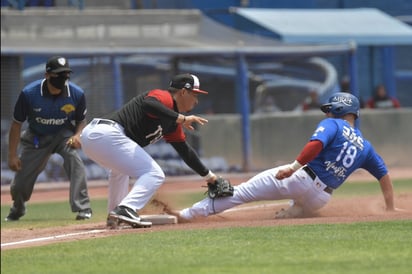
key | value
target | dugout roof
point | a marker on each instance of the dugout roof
(365, 26)
(125, 32)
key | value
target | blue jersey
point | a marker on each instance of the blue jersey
(48, 114)
(344, 151)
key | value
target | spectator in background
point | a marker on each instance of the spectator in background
(268, 105)
(382, 100)
(345, 84)
(345, 87)
(312, 101)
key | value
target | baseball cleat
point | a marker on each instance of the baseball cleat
(125, 215)
(14, 215)
(84, 214)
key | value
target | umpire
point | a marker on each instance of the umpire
(55, 110)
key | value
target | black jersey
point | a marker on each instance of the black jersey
(149, 117)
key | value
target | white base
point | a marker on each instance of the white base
(160, 219)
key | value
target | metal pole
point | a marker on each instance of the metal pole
(117, 78)
(389, 70)
(242, 96)
(353, 72)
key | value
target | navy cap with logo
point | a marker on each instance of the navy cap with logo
(187, 81)
(57, 64)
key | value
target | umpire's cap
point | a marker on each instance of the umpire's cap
(57, 64)
(187, 81)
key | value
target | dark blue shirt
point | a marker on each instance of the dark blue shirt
(47, 114)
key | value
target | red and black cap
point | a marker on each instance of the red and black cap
(187, 81)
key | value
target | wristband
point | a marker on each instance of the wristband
(209, 176)
(295, 165)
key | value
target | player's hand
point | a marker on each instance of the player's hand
(190, 119)
(14, 163)
(284, 172)
(74, 142)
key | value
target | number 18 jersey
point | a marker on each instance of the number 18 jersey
(344, 151)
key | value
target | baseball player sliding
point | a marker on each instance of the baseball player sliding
(335, 150)
(117, 140)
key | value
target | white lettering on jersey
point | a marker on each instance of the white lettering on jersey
(350, 135)
(319, 129)
(50, 122)
(155, 136)
(338, 171)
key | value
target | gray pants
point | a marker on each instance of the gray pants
(34, 161)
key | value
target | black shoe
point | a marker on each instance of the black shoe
(14, 215)
(84, 214)
(123, 214)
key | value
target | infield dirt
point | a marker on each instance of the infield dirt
(369, 208)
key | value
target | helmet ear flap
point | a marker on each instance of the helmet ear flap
(338, 110)
(326, 108)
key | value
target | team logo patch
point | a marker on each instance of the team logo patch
(68, 108)
(343, 99)
(62, 61)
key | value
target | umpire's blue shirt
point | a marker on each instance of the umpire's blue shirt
(47, 114)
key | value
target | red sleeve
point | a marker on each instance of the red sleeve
(176, 136)
(309, 152)
(163, 96)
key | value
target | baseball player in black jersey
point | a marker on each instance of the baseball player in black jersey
(55, 110)
(116, 142)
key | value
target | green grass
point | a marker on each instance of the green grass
(344, 248)
(371, 187)
(378, 247)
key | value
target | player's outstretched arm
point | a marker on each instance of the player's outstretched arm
(187, 121)
(387, 191)
(308, 153)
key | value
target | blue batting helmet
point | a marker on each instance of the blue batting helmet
(341, 103)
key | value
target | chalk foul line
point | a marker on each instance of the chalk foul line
(50, 238)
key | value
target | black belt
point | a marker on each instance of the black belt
(106, 122)
(312, 175)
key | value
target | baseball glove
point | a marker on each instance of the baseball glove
(220, 188)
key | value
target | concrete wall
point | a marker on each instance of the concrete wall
(278, 138)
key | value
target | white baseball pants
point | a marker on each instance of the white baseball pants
(107, 145)
(300, 187)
